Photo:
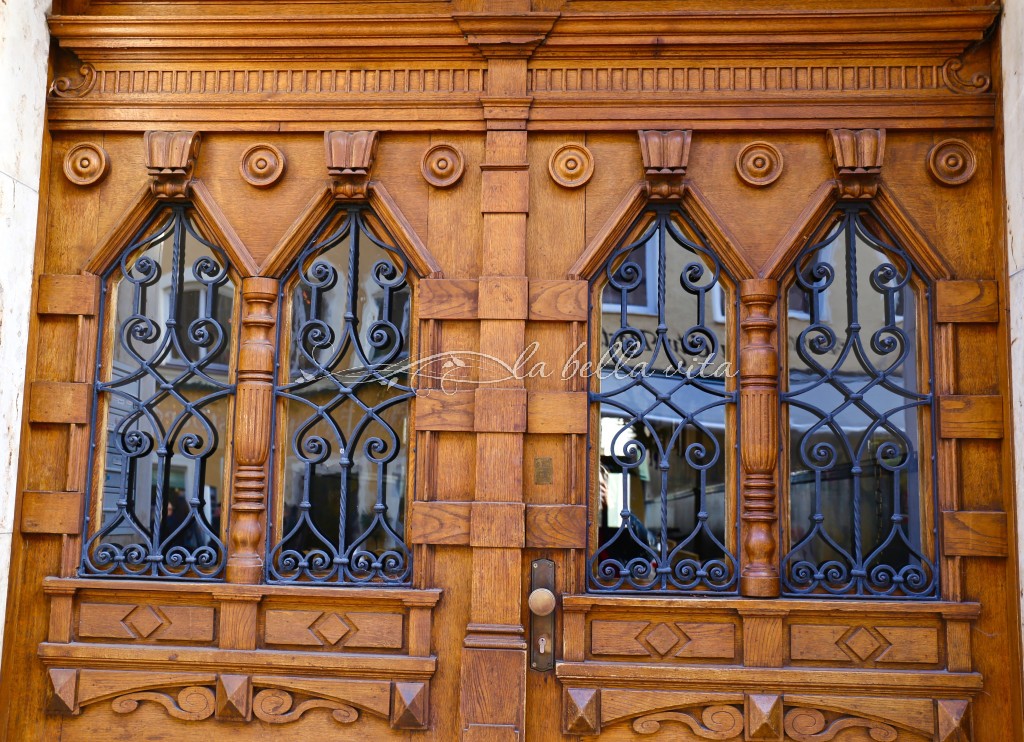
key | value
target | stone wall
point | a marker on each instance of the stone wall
(1013, 121)
(24, 48)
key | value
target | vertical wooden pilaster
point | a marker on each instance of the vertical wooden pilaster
(253, 405)
(495, 648)
(759, 452)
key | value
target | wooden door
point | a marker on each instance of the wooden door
(506, 371)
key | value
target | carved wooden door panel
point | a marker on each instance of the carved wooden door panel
(510, 371)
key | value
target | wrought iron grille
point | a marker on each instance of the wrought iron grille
(668, 407)
(859, 403)
(161, 405)
(343, 398)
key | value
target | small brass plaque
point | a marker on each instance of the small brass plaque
(543, 470)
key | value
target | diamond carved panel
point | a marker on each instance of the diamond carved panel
(150, 623)
(862, 642)
(330, 630)
(663, 639)
(144, 620)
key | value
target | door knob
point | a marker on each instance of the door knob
(542, 601)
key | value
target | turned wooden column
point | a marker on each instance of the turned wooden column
(253, 405)
(759, 450)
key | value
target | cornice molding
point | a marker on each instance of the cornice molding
(944, 32)
(842, 68)
(948, 29)
(250, 38)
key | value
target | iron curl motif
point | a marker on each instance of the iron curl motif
(164, 405)
(343, 395)
(859, 407)
(664, 401)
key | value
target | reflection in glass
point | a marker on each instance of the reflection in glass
(859, 402)
(344, 394)
(163, 404)
(665, 520)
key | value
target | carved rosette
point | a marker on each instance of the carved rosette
(952, 162)
(86, 164)
(571, 165)
(170, 160)
(759, 164)
(262, 165)
(665, 156)
(443, 165)
(350, 156)
(857, 156)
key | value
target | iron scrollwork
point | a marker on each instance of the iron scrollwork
(343, 398)
(860, 401)
(665, 397)
(163, 406)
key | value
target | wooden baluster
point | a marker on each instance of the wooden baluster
(253, 406)
(759, 402)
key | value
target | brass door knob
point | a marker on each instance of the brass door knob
(542, 601)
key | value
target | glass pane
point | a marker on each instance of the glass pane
(165, 401)
(665, 522)
(345, 398)
(857, 411)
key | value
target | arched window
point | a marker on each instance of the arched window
(342, 408)
(858, 399)
(667, 405)
(163, 397)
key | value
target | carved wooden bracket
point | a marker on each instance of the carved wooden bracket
(195, 696)
(857, 157)
(170, 159)
(350, 156)
(761, 717)
(665, 155)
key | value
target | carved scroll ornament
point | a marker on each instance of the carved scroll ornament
(713, 722)
(810, 725)
(979, 82)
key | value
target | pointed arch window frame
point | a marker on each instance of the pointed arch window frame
(622, 224)
(128, 233)
(928, 268)
(278, 265)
